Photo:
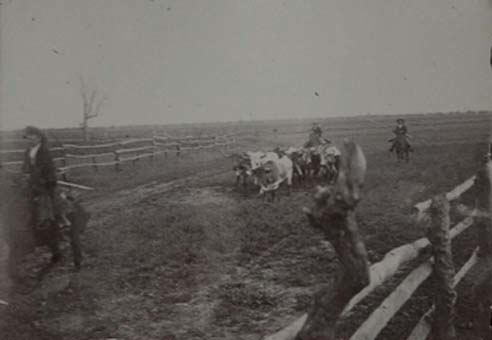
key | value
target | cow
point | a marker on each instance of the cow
(258, 158)
(312, 159)
(329, 161)
(242, 169)
(323, 160)
(299, 162)
(272, 173)
(247, 162)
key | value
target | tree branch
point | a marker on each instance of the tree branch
(99, 105)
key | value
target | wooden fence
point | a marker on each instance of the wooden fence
(70, 156)
(394, 260)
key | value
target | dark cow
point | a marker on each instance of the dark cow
(300, 163)
(242, 169)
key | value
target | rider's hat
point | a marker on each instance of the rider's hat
(400, 120)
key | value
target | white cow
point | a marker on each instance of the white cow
(258, 158)
(273, 173)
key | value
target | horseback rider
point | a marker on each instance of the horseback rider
(315, 136)
(400, 130)
(42, 182)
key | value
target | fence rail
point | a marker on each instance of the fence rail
(393, 261)
(140, 148)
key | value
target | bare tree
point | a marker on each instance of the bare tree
(92, 102)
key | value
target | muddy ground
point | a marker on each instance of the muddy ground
(196, 258)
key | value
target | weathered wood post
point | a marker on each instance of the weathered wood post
(483, 286)
(443, 271)
(117, 161)
(94, 165)
(154, 149)
(64, 161)
(178, 151)
(334, 214)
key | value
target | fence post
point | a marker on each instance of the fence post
(443, 274)
(482, 289)
(94, 162)
(153, 150)
(117, 160)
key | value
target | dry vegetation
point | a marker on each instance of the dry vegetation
(174, 251)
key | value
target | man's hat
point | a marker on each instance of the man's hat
(33, 131)
(399, 120)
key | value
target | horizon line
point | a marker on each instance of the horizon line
(271, 119)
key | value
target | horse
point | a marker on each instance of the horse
(22, 238)
(402, 148)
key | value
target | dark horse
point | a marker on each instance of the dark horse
(402, 148)
(22, 238)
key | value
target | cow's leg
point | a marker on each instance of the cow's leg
(289, 184)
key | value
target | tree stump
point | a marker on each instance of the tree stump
(334, 215)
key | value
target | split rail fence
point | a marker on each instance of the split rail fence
(393, 261)
(70, 156)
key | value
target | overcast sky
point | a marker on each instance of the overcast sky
(168, 61)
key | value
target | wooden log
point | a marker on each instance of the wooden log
(482, 290)
(334, 215)
(74, 185)
(395, 258)
(85, 165)
(289, 332)
(89, 155)
(12, 151)
(85, 147)
(94, 163)
(379, 273)
(117, 162)
(484, 203)
(136, 140)
(13, 163)
(443, 275)
(422, 207)
(422, 329)
(135, 158)
(380, 317)
(154, 150)
(133, 150)
(443, 266)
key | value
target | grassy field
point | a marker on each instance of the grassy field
(174, 251)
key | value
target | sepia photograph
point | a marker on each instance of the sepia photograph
(245, 170)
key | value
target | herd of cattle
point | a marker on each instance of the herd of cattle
(270, 169)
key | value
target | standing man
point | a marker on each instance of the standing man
(39, 166)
